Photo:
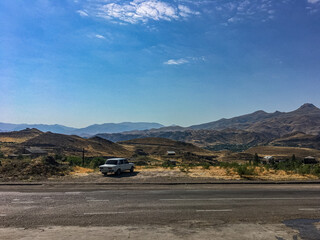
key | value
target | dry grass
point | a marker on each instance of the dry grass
(80, 171)
(280, 175)
(13, 139)
(284, 151)
(219, 173)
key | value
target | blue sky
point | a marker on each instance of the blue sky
(174, 62)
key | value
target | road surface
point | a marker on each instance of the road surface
(160, 212)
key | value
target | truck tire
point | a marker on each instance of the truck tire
(118, 172)
(131, 169)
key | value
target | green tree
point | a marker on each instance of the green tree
(256, 159)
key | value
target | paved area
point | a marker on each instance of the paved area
(160, 211)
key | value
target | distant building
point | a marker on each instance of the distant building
(171, 153)
(13, 156)
(267, 159)
(310, 160)
(35, 151)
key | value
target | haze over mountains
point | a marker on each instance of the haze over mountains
(87, 131)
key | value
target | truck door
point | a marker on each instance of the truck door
(122, 166)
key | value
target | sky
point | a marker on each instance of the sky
(184, 62)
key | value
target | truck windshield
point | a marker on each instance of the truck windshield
(114, 162)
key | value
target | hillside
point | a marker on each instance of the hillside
(305, 119)
(73, 145)
(241, 122)
(160, 146)
(258, 128)
(284, 152)
(298, 140)
(19, 136)
(200, 138)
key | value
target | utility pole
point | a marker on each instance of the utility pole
(82, 157)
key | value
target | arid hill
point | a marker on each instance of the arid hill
(19, 136)
(284, 152)
(15, 142)
(200, 138)
(160, 146)
(305, 119)
(258, 128)
(298, 139)
(73, 145)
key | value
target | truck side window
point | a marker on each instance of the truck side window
(121, 162)
(126, 161)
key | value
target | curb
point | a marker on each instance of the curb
(162, 183)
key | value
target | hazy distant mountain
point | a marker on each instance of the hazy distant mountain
(87, 131)
(8, 127)
(116, 127)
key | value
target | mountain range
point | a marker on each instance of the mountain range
(298, 128)
(87, 131)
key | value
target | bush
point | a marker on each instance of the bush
(74, 161)
(206, 165)
(96, 162)
(256, 159)
(229, 165)
(141, 163)
(245, 170)
(49, 160)
(167, 164)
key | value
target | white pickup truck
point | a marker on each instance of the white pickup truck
(116, 166)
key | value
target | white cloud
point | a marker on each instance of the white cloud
(137, 11)
(83, 13)
(185, 60)
(313, 1)
(100, 36)
(176, 61)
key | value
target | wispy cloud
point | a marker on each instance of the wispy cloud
(100, 36)
(176, 61)
(313, 1)
(314, 6)
(83, 13)
(184, 60)
(137, 11)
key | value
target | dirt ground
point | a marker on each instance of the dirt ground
(232, 231)
(195, 173)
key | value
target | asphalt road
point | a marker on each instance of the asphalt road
(292, 209)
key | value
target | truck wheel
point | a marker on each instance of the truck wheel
(118, 172)
(131, 169)
(105, 174)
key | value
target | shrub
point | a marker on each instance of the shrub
(96, 162)
(141, 163)
(167, 164)
(245, 170)
(49, 160)
(256, 159)
(74, 161)
(205, 165)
